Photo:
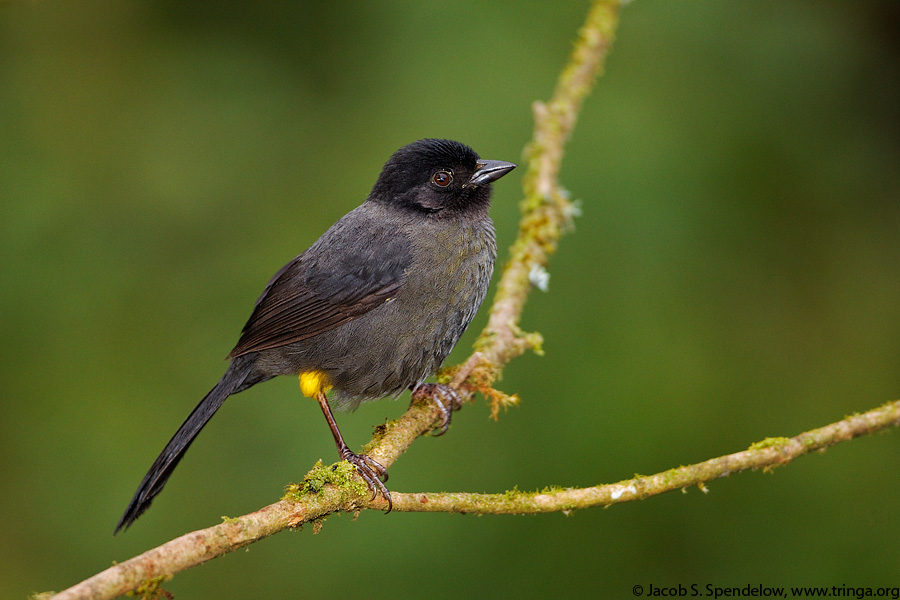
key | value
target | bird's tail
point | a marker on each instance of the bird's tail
(234, 380)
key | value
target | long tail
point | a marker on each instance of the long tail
(234, 380)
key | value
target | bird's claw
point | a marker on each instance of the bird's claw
(445, 398)
(372, 472)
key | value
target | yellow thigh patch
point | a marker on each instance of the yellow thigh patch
(312, 383)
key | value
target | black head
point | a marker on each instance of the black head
(438, 176)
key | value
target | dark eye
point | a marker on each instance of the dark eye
(442, 178)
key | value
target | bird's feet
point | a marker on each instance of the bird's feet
(371, 471)
(446, 399)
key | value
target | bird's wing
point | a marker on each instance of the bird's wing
(354, 267)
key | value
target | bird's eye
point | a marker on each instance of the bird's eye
(442, 178)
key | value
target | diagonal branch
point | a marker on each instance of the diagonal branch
(546, 209)
(545, 213)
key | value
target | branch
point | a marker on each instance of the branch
(546, 209)
(546, 212)
(316, 498)
(767, 454)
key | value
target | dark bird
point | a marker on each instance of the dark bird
(373, 307)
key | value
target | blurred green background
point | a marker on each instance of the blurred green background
(735, 275)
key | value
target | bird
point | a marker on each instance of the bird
(372, 308)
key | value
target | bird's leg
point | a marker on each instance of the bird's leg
(444, 397)
(371, 471)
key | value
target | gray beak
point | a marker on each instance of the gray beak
(488, 171)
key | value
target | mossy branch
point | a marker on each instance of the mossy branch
(546, 215)
(546, 208)
(766, 454)
(329, 489)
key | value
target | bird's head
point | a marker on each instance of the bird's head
(438, 176)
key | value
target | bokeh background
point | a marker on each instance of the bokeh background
(735, 275)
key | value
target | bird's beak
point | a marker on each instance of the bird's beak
(487, 171)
